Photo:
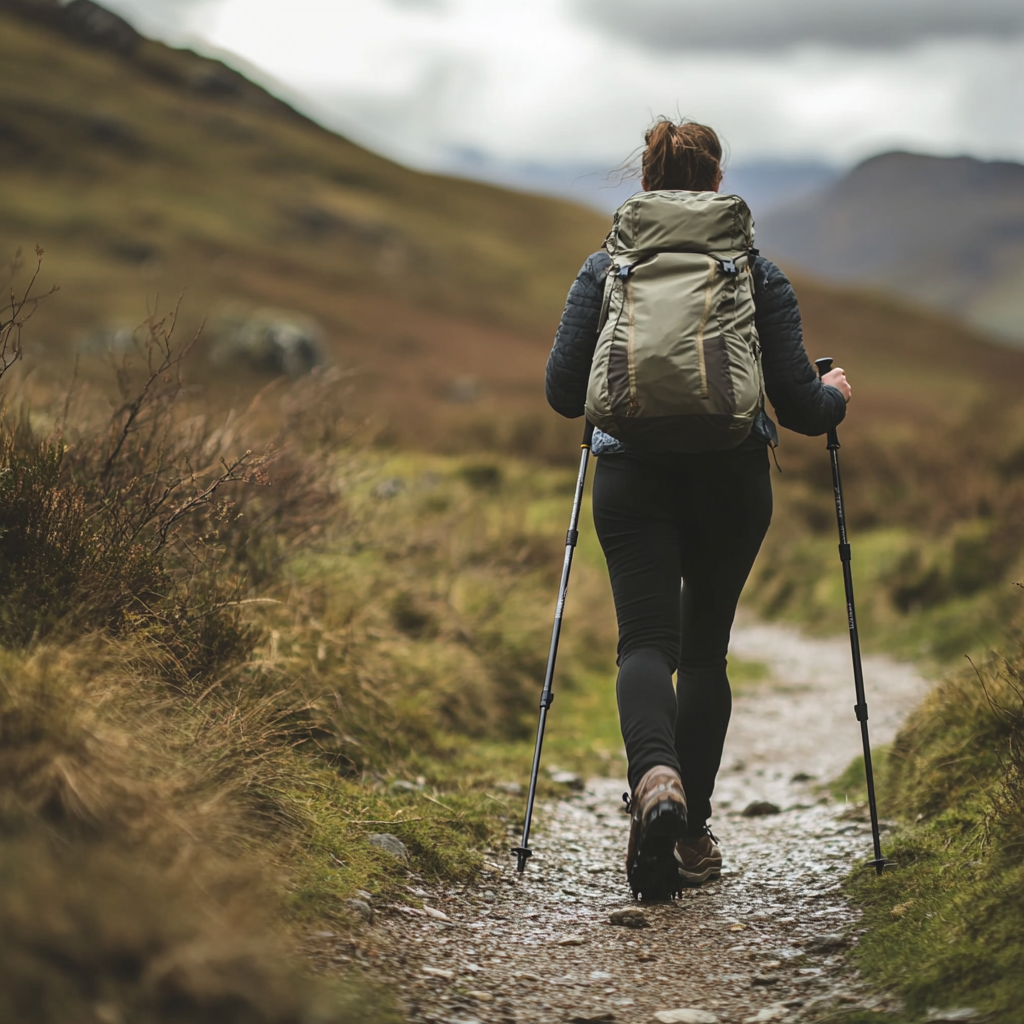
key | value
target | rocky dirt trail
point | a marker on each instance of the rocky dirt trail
(768, 942)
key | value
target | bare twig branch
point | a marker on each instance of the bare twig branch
(18, 310)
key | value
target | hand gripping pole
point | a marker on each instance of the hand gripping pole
(861, 707)
(523, 852)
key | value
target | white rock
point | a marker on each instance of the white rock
(389, 844)
(686, 1015)
(768, 1013)
(437, 972)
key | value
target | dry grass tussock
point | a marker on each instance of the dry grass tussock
(222, 639)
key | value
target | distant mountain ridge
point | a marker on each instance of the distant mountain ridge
(946, 232)
(764, 183)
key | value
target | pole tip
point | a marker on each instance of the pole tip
(524, 853)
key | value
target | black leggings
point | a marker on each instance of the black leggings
(662, 519)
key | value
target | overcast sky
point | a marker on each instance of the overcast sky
(577, 81)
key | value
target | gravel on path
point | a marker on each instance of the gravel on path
(767, 942)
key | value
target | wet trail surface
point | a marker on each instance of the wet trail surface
(769, 941)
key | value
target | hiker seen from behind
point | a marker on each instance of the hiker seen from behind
(673, 336)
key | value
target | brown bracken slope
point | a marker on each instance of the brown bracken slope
(151, 171)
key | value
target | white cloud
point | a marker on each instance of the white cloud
(169, 19)
(533, 81)
(785, 24)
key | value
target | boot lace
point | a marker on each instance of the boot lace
(705, 830)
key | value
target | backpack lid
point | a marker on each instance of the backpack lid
(669, 221)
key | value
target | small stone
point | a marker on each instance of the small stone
(389, 488)
(768, 1013)
(685, 1015)
(766, 979)
(511, 788)
(360, 909)
(825, 943)
(364, 895)
(488, 896)
(437, 915)
(570, 779)
(962, 1015)
(600, 976)
(599, 1017)
(437, 972)
(389, 844)
(802, 777)
(760, 809)
(404, 786)
(480, 997)
(628, 917)
(738, 928)
(572, 940)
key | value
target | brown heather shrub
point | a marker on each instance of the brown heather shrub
(152, 802)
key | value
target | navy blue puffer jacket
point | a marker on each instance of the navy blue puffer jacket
(801, 402)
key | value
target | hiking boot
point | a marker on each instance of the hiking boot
(698, 858)
(657, 820)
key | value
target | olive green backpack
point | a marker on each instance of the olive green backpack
(678, 365)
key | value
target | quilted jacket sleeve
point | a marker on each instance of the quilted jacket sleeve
(802, 403)
(569, 363)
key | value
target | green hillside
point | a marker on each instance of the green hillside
(141, 178)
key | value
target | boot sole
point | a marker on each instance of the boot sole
(654, 875)
(695, 878)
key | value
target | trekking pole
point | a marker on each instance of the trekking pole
(524, 852)
(861, 707)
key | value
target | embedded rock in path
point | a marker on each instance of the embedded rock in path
(963, 1015)
(685, 1016)
(768, 1013)
(825, 943)
(389, 844)
(570, 779)
(628, 917)
(360, 909)
(760, 809)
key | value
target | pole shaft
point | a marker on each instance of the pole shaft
(861, 707)
(546, 696)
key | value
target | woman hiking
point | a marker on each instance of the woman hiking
(681, 502)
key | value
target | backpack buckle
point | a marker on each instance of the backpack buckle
(624, 270)
(728, 266)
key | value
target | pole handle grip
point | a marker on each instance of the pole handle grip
(824, 365)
